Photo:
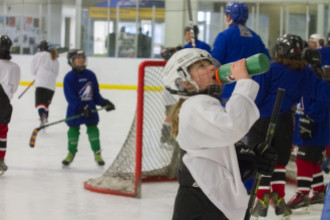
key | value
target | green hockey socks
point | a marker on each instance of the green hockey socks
(94, 137)
(73, 136)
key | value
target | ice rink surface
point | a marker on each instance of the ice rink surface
(36, 187)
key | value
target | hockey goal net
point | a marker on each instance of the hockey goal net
(148, 153)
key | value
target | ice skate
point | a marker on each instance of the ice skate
(317, 200)
(68, 160)
(282, 210)
(98, 158)
(261, 208)
(299, 203)
(3, 167)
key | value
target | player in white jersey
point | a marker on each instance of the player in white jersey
(10, 75)
(209, 174)
(45, 68)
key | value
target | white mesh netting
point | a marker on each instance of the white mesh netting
(159, 150)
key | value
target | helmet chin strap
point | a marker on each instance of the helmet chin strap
(212, 90)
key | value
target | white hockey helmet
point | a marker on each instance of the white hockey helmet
(318, 38)
(176, 72)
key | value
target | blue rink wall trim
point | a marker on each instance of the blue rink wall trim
(101, 86)
(326, 207)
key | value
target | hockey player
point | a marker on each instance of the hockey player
(235, 43)
(81, 91)
(210, 182)
(291, 73)
(45, 67)
(311, 135)
(238, 41)
(10, 75)
(316, 41)
(198, 43)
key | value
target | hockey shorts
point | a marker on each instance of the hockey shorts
(6, 108)
(311, 153)
(282, 139)
(43, 96)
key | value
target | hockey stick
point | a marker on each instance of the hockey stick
(191, 24)
(26, 89)
(36, 130)
(268, 140)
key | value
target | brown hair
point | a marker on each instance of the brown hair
(174, 114)
(293, 64)
(53, 53)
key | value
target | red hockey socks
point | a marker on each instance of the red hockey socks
(278, 180)
(3, 140)
(304, 175)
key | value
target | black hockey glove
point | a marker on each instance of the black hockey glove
(305, 127)
(267, 160)
(87, 111)
(109, 106)
(247, 160)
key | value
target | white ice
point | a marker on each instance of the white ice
(36, 187)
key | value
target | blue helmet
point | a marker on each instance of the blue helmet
(238, 11)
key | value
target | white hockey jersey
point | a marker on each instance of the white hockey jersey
(45, 69)
(208, 131)
(10, 75)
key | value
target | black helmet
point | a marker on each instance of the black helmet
(43, 46)
(312, 57)
(5, 43)
(290, 46)
(73, 54)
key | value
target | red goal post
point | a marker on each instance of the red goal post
(143, 156)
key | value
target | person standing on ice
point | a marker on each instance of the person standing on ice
(210, 174)
(10, 75)
(236, 42)
(81, 90)
(45, 67)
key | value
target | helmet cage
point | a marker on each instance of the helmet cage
(72, 55)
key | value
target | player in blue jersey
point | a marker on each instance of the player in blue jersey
(198, 43)
(311, 135)
(81, 91)
(291, 73)
(236, 42)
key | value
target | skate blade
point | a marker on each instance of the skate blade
(317, 207)
(258, 217)
(65, 166)
(282, 217)
(2, 172)
(301, 211)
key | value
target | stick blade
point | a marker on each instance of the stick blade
(33, 137)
